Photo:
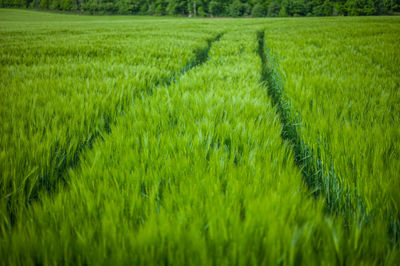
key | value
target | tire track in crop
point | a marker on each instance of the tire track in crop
(339, 200)
(201, 56)
(59, 153)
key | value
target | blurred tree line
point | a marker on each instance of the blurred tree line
(217, 8)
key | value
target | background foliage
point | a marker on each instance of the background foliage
(217, 8)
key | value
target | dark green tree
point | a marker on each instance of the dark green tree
(258, 11)
(216, 8)
(273, 9)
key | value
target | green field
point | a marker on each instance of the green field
(170, 141)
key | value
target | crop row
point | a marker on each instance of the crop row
(344, 90)
(61, 90)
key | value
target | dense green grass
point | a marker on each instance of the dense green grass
(63, 87)
(130, 140)
(345, 87)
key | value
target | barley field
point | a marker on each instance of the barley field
(171, 141)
